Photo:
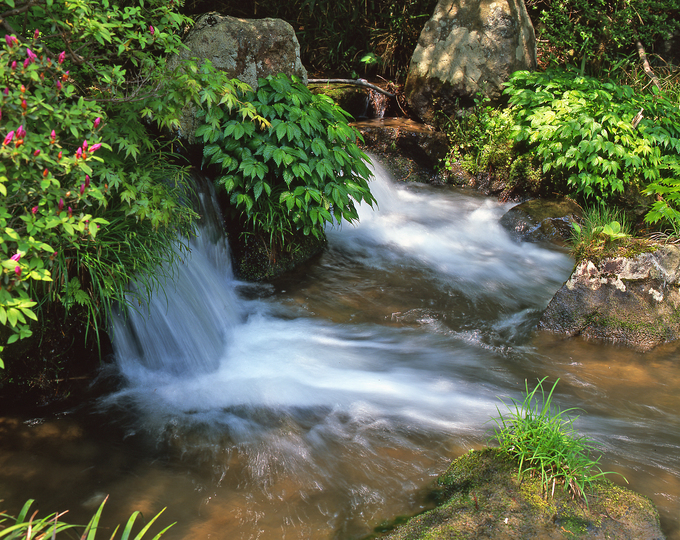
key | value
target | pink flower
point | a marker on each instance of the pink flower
(151, 29)
(14, 64)
(10, 40)
(53, 135)
(36, 34)
(59, 154)
(70, 212)
(17, 271)
(97, 121)
(82, 188)
(21, 132)
(58, 85)
(31, 55)
(36, 153)
(6, 91)
(79, 153)
(16, 257)
(34, 210)
(8, 138)
(95, 147)
(24, 104)
(61, 57)
(61, 204)
(27, 62)
(87, 180)
(84, 146)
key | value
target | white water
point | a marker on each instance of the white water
(201, 350)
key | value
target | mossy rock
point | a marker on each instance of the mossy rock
(351, 98)
(255, 261)
(483, 498)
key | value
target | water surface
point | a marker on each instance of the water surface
(325, 403)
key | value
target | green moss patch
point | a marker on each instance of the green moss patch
(484, 499)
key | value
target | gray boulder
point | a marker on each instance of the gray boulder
(632, 301)
(246, 49)
(467, 47)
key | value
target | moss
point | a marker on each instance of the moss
(598, 320)
(601, 249)
(485, 499)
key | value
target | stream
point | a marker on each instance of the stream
(327, 402)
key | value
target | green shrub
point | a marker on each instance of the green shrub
(546, 443)
(601, 33)
(296, 169)
(587, 135)
(481, 141)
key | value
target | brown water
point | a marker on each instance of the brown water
(328, 402)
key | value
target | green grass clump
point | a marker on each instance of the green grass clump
(546, 444)
(25, 527)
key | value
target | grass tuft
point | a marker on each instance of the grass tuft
(546, 443)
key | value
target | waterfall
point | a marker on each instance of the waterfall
(190, 319)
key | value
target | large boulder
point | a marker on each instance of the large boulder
(634, 301)
(246, 49)
(467, 47)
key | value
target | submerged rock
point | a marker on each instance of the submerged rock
(633, 301)
(484, 499)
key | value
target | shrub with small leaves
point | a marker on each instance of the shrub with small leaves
(50, 144)
(296, 169)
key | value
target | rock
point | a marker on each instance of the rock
(541, 220)
(404, 138)
(483, 499)
(467, 47)
(634, 301)
(246, 49)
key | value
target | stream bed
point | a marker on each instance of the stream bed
(326, 403)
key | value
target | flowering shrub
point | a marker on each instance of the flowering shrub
(49, 147)
(89, 193)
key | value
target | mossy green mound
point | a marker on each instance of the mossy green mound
(484, 499)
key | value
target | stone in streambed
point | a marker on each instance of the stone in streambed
(484, 499)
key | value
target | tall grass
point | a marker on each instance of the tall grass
(25, 527)
(546, 444)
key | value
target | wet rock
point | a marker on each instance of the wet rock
(483, 499)
(633, 301)
(468, 47)
(246, 49)
(351, 98)
(541, 220)
(411, 151)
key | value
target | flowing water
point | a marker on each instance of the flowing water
(321, 405)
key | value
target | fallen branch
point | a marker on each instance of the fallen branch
(646, 66)
(357, 82)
